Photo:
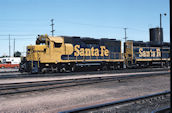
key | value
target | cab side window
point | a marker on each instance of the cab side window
(57, 45)
(48, 43)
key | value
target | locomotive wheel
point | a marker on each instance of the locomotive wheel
(104, 68)
(54, 69)
(63, 69)
(44, 70)
(72, 69)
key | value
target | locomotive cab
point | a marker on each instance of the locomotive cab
(46, 53)
(128, 53)
(33, 51)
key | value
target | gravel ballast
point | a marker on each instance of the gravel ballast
(56, 100)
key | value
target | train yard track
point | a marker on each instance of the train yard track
(25, 75)
(22, 87)
(162, 110)
(155, 103)
(9, 70)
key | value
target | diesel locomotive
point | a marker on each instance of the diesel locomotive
(144, 54)
(59, 54)
(64, 53)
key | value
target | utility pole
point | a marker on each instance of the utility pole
(161, 40)
(9, 47)
(162, 37)
(52, 25)
(125, 34)
(125, 42)
(14, 47)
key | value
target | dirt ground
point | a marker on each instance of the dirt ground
(56, 100)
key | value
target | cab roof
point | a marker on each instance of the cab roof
(56, 39)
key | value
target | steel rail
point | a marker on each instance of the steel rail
(8, 71)
(10, 88)
(162, 110)
(124, 101)
(26, 75)
(11, 85)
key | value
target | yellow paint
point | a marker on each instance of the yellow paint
(151, 59)
(90, 52)
(128, 52)
(150, 53)
(76, 48)
(92, 60)
(69, 49)
(97, 52)
(158, 52)
(48, 53)
(87, 52)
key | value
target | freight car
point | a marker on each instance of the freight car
(144, 54)
(59, 54)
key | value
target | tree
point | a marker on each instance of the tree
(17, 54)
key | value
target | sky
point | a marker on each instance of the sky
(23, 20)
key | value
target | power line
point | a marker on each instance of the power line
(18, 38)
(32, 36)
(20, 35)
(96, 25)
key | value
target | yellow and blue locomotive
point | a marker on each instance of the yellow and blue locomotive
(63, 53)
(144, 54)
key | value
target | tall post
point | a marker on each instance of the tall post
(14, 48)
(162, 36)
(9, 47)
(125, 34)
(161, 40)
(125, 43)
(52, 25)
(160, 21)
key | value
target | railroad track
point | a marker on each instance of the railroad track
(8, 70)
(165, 109)
(25, 75)
(13, 88)
(150, 103)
